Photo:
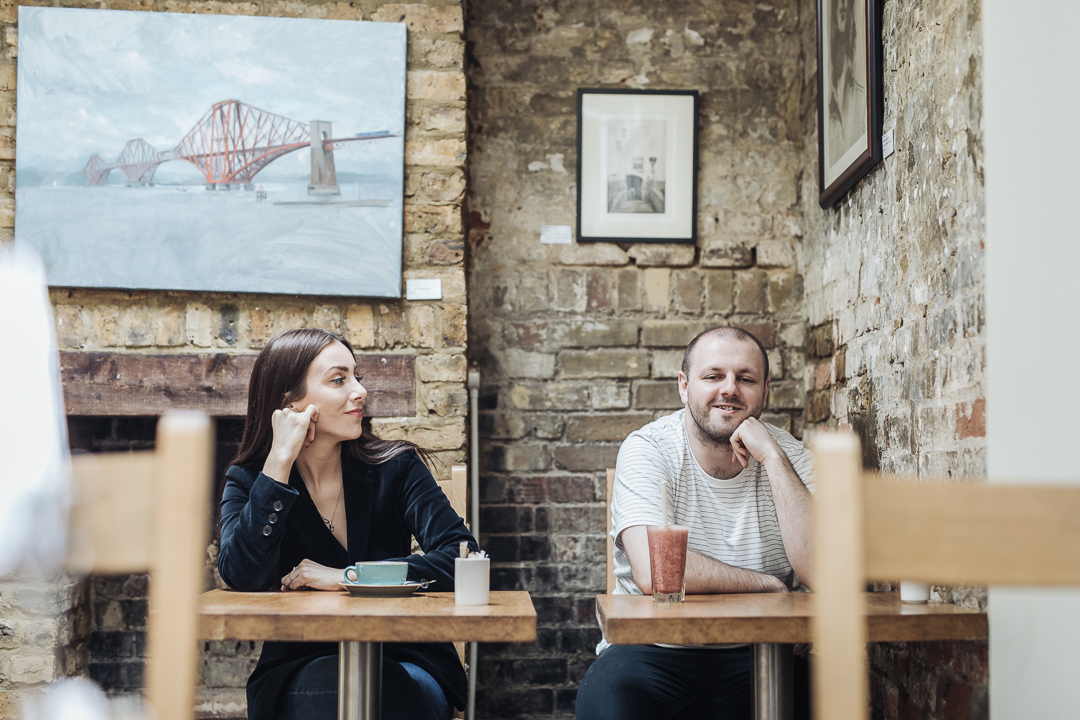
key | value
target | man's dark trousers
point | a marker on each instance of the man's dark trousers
(646, 682)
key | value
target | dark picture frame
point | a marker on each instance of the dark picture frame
(637, 165)
(850, 94)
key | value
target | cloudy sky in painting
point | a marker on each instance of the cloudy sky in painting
(90, 80)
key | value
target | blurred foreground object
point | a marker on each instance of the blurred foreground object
(80, 699)
(33, 435)
(142, 511)
(74, 699)
(871, 528)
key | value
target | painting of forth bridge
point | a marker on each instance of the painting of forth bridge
(230, 145)
(132, 124)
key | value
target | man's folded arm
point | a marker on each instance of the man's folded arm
(794, 514)
(703, 574)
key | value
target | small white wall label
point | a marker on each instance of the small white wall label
(556, 235)
(423, 289)
(886, 145)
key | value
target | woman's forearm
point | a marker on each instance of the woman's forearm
(278, 468)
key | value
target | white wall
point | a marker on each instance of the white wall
(1031, 94)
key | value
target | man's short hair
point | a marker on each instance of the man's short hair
(729, 331)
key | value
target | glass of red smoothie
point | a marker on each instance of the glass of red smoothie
(667, 562)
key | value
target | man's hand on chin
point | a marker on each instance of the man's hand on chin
(753, 440)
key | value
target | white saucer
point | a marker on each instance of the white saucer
(384, 591)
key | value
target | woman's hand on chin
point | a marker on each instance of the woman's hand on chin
(293, 431)
(309, 575)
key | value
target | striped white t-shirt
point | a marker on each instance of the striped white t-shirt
(733, 521)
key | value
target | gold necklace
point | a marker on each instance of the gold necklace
(330, 522)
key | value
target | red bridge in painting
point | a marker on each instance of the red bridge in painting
(229, 145)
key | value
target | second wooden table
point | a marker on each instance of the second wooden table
(772, 622)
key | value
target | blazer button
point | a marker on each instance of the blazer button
(272, 517)
(266, 530)
(278, 506)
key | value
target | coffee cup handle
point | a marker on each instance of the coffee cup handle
(349, 579)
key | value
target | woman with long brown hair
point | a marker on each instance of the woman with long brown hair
(313, 491)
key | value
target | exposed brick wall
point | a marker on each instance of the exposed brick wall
(183, 322)
(579, 345)
(118, 631)
(873, 312)
(895, 306)
(44, 632)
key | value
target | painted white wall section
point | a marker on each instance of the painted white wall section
(1031, 95)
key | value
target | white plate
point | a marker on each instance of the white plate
(384, 591)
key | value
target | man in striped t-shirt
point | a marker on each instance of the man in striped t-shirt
(744, 489)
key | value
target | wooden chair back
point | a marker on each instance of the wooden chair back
(610, 542)
(457, 488)
(149, 511)
(870, 528)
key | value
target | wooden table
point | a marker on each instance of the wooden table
(771, 623)
(361, 626)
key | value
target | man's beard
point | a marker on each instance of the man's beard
(709, 433)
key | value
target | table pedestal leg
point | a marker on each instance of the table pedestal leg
(359, 680)
(773, 681)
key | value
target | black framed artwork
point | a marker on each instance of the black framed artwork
(850, 94)
(637, 166)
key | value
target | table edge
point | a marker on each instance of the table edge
(963, 624)
(228, 626)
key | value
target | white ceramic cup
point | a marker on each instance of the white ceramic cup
(914, 592)
(472, 580)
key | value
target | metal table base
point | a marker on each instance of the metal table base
(359, 680)
(773, 668)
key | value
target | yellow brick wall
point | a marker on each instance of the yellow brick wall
(187, 322)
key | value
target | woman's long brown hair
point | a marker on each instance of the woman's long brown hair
(279, 378)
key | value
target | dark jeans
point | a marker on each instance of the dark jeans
(408, 693)
(628, 682)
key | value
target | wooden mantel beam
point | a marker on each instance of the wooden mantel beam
(131, 384)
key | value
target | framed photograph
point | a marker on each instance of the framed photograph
(849, 94)
(637, 163)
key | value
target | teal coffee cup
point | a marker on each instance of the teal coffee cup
(382, 572)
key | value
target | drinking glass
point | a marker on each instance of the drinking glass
(667, 562)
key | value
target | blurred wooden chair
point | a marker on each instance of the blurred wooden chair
(149, 511)
(457, 489)
(870, 528)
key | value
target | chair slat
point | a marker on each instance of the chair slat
(973, 533)
(839, 627)
(181, 519)
(111, 513)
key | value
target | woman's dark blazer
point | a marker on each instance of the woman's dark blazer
(267, 528)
